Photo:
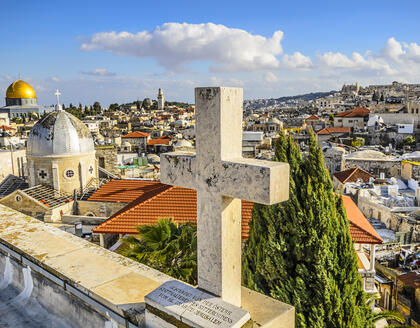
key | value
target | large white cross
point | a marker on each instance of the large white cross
(222, 178)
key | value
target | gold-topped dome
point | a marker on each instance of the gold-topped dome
(20, 89)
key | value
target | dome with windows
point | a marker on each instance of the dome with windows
(59, 133)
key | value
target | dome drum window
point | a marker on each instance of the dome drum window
(69, 174)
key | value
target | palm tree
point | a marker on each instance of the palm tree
(387, 315)
(167, 247)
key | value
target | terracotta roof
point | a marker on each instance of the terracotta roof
(410, 278)
(136, 134)
(5, 128)
(355, 112)
(313, 117)
(179, 204)
(123, 191)
(353, 174)
(160, 141)
(361, 230)
(153, 200)
(333, 130)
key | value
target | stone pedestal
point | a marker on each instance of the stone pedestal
(175, 304)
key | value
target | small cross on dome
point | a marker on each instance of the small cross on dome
(58, 94)
(58, 107)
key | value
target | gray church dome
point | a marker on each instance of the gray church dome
(59, 133)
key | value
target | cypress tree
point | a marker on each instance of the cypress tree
(300, 251)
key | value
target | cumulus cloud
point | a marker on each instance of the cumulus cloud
(393, 50)
(99, 72)
(413, 51)
(401, 52)
(297, 60)
(356, 62)
(175, 45)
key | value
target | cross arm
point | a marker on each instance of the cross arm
(178, 169)
(255, 180)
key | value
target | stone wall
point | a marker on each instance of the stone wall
(97, 209)
(59, 306)
(375, 167)
(394, 221)
(8, 167)
(374, 210)
(107, 159)
(20, 202)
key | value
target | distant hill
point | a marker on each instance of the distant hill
(259, 103)
(308, 96)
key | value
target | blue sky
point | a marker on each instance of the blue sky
(58, 44)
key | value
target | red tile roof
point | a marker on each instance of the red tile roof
(313, 117)
(410, 278)
(123, 191)
(361, 230)
(160, 141)
(152, 200)
(179, 204)
(353, 174)
(333, 130)
(355, 112)
(6, 128)
(136, 134)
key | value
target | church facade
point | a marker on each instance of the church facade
(61, 153)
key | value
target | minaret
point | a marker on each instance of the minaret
(160, 100)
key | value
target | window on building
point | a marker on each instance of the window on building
(42, 174)
(69, 174)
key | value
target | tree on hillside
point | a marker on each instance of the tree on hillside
(96, 107)
(408, 141)
(300, 251)
(167, 247)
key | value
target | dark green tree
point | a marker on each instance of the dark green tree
(96, 107)
(300, 251)
(382, 98)
(167, 247)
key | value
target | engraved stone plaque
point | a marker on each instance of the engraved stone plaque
(184, 306)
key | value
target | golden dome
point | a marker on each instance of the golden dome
(20, 89)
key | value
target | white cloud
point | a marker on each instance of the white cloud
(175, 45)
(393, 50)
(270, 77)
(99, 72)
(297, 60)
(355, 62)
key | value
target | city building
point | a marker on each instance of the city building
(21, 101)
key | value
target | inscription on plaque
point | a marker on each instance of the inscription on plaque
(196, 308)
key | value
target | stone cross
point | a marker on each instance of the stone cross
(58, 94)
(222, 178)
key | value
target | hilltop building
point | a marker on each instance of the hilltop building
(21, 101)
